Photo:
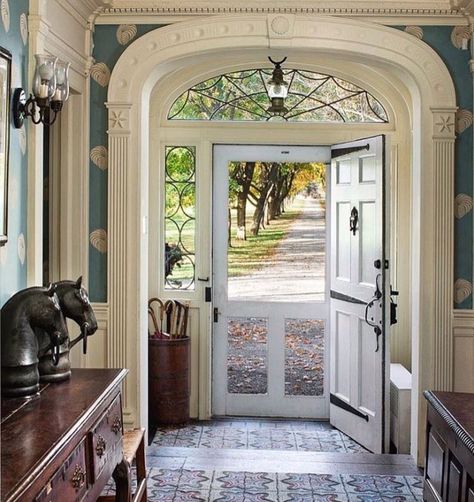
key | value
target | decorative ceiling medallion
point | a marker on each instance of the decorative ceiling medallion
(463, 120)
(416, 31)
(280, 25)
(5, 8)
(462, 290)
(126, 33)
(462, 205)
(459, 35)
(98, 239)
(101, 74)
(99, 156)
(21, 249)
(24, 28)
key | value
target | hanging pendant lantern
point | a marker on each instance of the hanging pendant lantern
(277, 89)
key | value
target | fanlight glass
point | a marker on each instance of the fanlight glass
(311, 97)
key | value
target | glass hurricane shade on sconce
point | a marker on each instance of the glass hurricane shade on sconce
(50, 91)
(277, 89)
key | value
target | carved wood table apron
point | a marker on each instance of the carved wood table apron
(63, 445)
(449, 469)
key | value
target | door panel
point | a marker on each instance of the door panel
(359, 373)
(262, 334)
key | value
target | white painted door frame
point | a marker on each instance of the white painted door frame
(422, 82)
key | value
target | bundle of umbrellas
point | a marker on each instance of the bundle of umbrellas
(169, 319)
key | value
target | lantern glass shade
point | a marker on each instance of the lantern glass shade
(62, 82)
(44, 80)
(277, 89)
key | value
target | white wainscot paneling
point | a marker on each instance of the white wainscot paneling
(463, 333)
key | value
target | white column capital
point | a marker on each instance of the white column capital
(119, 118)
(444, 123)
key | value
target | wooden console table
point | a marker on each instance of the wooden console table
(64, 444)
(449, 468)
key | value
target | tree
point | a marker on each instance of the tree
(240, 180)
(266, 176)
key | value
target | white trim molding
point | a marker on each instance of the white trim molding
(463, 335)
(395, 54)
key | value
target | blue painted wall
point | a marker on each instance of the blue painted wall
(13, 254)
(111, 41)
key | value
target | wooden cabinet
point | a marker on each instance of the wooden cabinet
(449, 467)
(63, 445)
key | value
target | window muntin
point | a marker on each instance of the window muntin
(312, 97)
(180, 217)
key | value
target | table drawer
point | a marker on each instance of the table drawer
(69, 483)
(105, 435)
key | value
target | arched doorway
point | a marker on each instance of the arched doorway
(419, 81)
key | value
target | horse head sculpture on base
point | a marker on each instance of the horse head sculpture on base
(28, 309)
(75, 305)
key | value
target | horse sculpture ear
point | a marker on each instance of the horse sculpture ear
(79, 283)
(51, 289)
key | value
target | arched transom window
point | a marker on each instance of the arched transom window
(312, 97)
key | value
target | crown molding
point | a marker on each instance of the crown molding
(389, 12)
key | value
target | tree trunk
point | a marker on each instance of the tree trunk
(244, 179)
(268, 181)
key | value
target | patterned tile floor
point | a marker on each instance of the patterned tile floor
(169, 482)
(259, 435)
(179, 485)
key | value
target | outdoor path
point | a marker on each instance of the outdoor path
(296, 271)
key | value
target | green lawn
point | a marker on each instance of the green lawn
(244, 257)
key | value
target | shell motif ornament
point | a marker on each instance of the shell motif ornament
(416, 31)
(459, 34)
(5, 8)
(98, 240)
(463, 120)
(24, 28)
(21, 248)
(126, 33)
(462, 290)
(100, 72)
(462, 205)
(99, 156)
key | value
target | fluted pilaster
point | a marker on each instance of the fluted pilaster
(119, 235)
(443, 233)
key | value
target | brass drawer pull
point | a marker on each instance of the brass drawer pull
(79, 477)
(100, 446)
(116, 425)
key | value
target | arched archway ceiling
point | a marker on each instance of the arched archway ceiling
(312, 97)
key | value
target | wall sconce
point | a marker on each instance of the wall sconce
(50, 91)
(277, 89)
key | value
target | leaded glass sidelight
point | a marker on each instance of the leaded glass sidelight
(180, 217)
(312, 97)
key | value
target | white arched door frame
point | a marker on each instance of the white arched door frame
(158, 53)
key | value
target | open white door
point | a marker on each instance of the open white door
(359, 370)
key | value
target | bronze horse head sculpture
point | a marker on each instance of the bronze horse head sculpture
(74, 302)
(31, 308)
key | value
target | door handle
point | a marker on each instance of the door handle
(216, 314)
(376, 298)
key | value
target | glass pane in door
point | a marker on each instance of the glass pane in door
(276, 231)
(304, 357)
(247, 367)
